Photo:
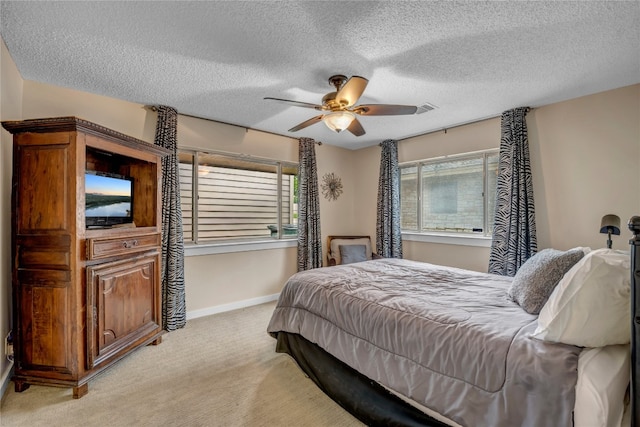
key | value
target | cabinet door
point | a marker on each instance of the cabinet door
(123, 309)
(42, 311)
(44, 186)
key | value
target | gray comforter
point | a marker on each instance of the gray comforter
(447, 338)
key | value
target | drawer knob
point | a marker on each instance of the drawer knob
(129, 244)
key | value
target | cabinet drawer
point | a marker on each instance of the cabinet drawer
(113, 246)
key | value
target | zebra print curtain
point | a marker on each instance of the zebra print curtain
(172, 270)
(388, 235)
(309, 239)
(514, 231)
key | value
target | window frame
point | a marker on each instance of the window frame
(451, 237)
(194, 245)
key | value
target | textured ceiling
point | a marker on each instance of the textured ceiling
(218, 60)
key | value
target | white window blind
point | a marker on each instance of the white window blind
(236, 198)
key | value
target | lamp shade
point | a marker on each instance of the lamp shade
(338, 121)
(610, 223)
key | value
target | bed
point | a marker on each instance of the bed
(398, 342)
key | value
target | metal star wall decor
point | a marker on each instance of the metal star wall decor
(331, 186)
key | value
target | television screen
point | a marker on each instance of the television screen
(108, 199)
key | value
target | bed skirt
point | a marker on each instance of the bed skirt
(365, 399)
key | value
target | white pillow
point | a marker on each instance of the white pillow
(603, 378)
(590, 307)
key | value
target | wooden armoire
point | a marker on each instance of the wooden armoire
(83, 297)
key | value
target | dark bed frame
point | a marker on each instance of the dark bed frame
(376, 406)
(634, 226)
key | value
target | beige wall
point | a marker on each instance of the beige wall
(227, 279)
(209, 135)
(585, 156)
(43, 100)
(10, 109)
(338, 217)
(367, 172)
(482, 135)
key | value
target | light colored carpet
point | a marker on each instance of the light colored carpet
(220, 370)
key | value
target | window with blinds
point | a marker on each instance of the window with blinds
(226, 197)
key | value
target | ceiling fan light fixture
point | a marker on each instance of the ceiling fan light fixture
(338, 121)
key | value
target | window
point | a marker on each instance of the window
(452, 194)
(230, 198)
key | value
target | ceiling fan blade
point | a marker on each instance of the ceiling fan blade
(306, 123)
(384, 110)
(352, 90)
(356, 128)
(297, 103)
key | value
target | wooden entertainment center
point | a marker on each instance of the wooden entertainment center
(83, 298)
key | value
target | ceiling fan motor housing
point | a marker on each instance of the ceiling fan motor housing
(331, 103)
(329, 100)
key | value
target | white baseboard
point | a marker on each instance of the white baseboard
(6, 379)
(231, 306)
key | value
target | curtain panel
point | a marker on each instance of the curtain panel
(514, 231)
(388, 233)
(172, 269)
(309, 239)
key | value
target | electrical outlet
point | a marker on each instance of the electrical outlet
(8, 346)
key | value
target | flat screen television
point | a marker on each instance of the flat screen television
(108, 199)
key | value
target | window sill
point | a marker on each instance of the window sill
(449, 239)
(231, 247)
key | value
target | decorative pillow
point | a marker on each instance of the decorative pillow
(335, 247)
(591, 305)
(353, 253)
(539, 275)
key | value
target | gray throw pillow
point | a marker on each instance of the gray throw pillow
(538, 276)
(353, 253)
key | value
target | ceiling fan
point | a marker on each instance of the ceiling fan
(340, 111)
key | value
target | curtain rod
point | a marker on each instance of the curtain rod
(155, 109)
(528, 109)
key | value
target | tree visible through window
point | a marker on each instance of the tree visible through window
(227, 197)
(454, 194)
